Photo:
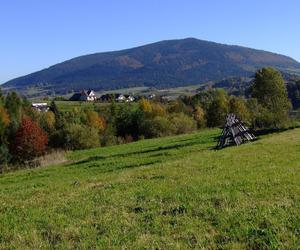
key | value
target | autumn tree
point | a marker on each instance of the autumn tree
(199, 116)
(4, 122)
(145, 106)
(94, 120)
(47, 121)
(178, 106)
(217, 110)
(30, 141)
(158, 109)
(4, 117)
(238, 107)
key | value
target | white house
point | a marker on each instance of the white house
(120, 98)
(130, 98)
(88, 95)
(85, 96)
(41, 107)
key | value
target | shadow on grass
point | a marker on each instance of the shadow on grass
(139, 158)
(262, 132)
(137, 153)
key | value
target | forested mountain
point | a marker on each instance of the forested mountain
(163, 64)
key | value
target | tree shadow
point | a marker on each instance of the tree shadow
(262, 132)
(133, 153)
(138, 158)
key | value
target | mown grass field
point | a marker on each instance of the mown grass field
(169, 193)
(71, 105)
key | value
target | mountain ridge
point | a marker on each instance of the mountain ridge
(168, 63)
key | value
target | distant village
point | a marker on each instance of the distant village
(90, 96)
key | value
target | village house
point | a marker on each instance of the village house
(124, 98)
(151, 96)
(117, 98)
(129, 98)
(120, 98)
(40, 107)
(84, 96)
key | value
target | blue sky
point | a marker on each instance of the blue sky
(36, 34)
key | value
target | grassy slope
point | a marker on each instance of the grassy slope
(164, 193)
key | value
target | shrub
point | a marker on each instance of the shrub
(32, 113)
(157, 127)
(80, 137)
(217, 110)
(30, 141)
(158, 109)
(199, 117)
(108, 137)
(128, 121)
(47, 121)
(5, 157)
(145, 106)
(178, 106)
(183, 123)
(239, 108)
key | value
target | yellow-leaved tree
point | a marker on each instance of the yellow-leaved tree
(94, 120)
(145, 106)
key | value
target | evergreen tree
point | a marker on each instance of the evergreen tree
(54, 108)
(13, 106)
(1, 97)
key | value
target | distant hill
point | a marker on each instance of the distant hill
(163, 64)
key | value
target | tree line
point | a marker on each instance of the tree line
(26, 134)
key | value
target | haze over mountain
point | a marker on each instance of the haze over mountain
(163, 64)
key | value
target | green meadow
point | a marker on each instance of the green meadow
(168, 193)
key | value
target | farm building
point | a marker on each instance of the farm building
(85, 96)
(117, 98)
(41, 107)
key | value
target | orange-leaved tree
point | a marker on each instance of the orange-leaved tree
(30, 141)
(4, 122)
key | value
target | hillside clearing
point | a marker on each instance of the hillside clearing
(169, 193)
